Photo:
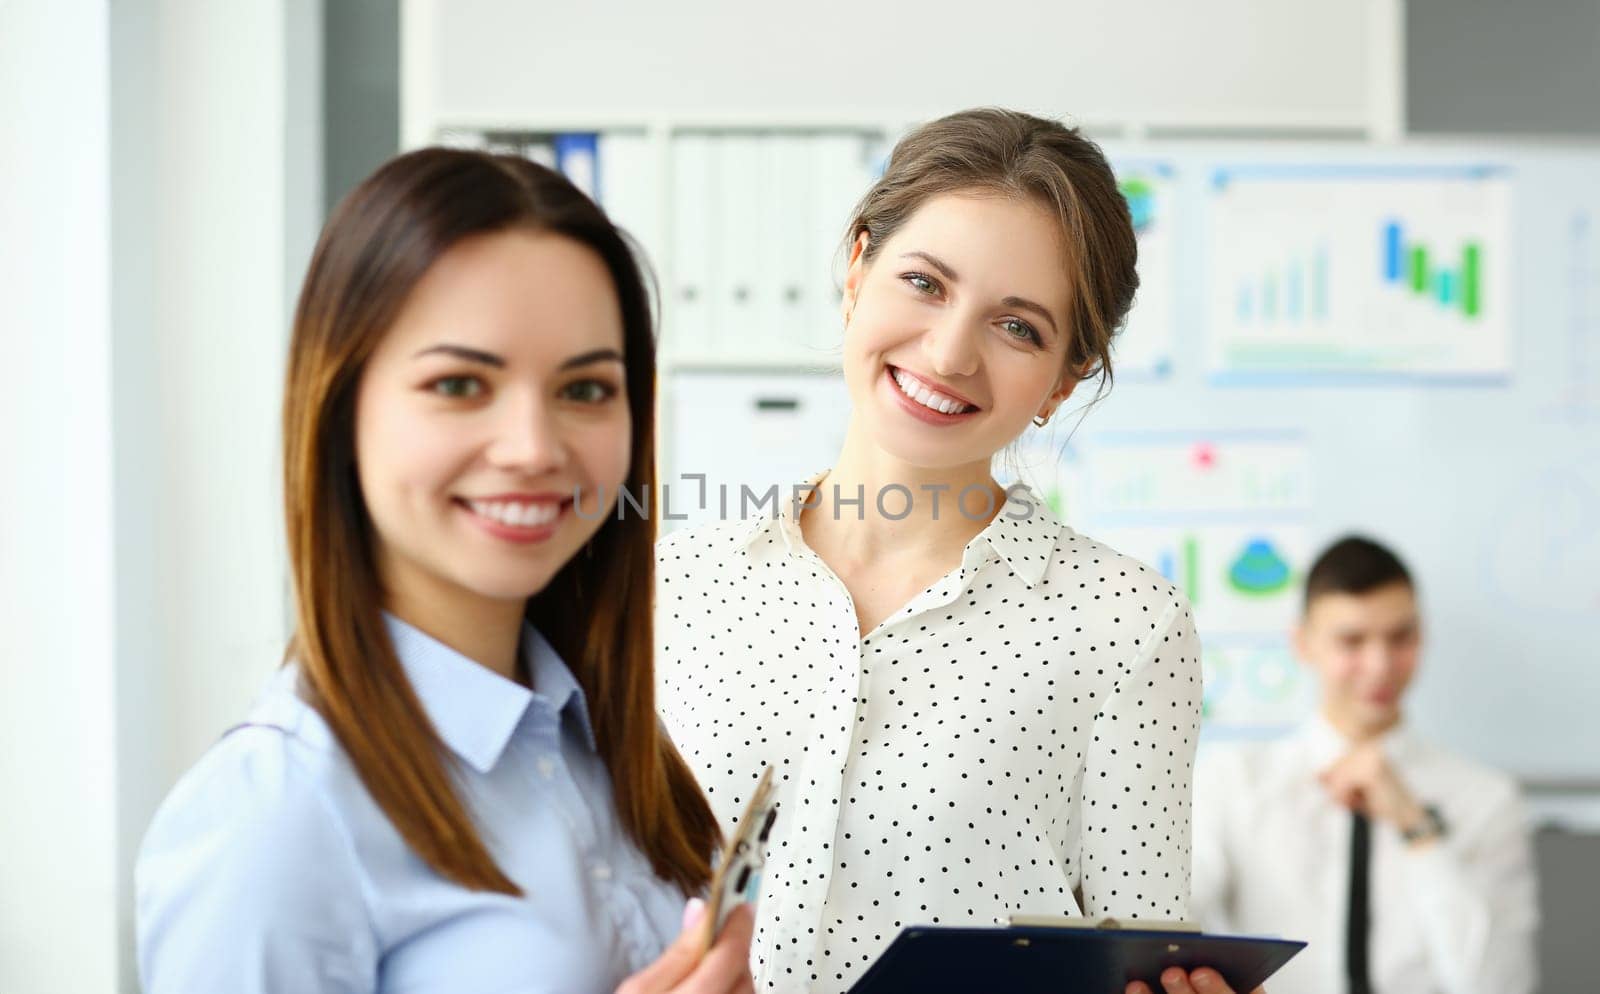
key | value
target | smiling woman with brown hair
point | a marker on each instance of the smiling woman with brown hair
(973, 710)
(458, 781)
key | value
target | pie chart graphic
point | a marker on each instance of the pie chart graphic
(1260, 569)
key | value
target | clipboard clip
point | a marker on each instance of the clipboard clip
(1106, 923)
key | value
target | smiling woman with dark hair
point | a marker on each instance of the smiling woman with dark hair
(457, 782)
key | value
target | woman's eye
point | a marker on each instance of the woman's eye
(1021, 330)
(589, 391)
(458, 387)
(921, 282)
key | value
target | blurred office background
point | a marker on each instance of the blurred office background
(1370, 241)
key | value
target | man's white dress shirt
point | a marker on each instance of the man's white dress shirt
(1272, 856)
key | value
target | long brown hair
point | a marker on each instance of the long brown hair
(1016, 154)
(596, 611)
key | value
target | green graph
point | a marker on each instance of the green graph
(1412, 266)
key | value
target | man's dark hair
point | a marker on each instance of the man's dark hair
(1354, 565)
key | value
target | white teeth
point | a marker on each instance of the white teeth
(919, 392)
(515, 513)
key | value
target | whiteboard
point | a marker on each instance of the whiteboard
(1489, 488)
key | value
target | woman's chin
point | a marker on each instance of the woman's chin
(928, 454)
(509, 586)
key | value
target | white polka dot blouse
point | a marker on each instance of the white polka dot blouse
(1016, 739)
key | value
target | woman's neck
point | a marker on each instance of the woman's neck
(903, 509)
(485, 630)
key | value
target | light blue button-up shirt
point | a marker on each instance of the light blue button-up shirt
(269, 868)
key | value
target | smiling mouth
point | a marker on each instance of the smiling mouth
(920, 393)
(516, 514)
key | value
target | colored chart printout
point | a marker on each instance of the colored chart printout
(1360, 271)
(1145, 345)
(1185, 476)
(1242, 579)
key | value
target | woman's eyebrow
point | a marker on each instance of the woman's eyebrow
(598, 355)
(490, 359)
(934, 261)
(462, 352)
(1023, 303)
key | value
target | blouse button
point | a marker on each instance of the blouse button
(601, 871)
(546, 767)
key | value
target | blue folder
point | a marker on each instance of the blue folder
(1056, 960)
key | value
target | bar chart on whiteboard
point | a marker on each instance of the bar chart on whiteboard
(1360, 271)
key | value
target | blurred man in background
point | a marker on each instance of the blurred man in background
(1408, 869)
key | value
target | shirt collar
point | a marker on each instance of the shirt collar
(475, 710)
(781, 526)
(1023, 533)
(1324, 744)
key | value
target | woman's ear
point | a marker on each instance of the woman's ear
(1069, 382)
(853, 276)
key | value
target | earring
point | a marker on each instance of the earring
(1039, 422)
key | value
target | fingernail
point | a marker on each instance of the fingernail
(693, 910)
(1206, 980)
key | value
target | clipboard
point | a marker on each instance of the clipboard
(1037, 958)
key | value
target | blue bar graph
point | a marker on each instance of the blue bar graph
(1393, 267)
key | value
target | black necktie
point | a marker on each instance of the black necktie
(1356, 929)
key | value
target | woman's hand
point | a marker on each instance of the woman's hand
(682, 970)
(1201, 981)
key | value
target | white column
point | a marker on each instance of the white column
(58, 877)
(1386, 84)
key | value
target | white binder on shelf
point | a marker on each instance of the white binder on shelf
(536, 149)
(789, 259)
(741, 316)
(688, 327)
(839, 181)
(501, 144)
(630, 187)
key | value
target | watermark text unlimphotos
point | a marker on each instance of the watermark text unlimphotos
(976, 502)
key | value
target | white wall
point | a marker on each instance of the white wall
(1301, 63)
(58, 881)
(219, 334)
(159, 193)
